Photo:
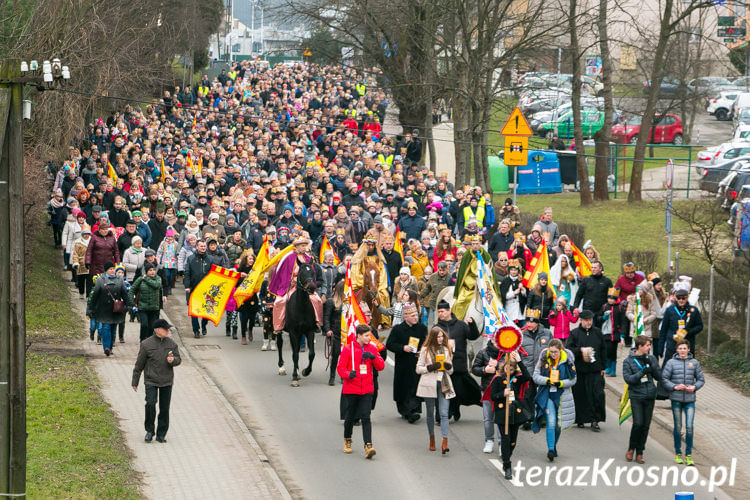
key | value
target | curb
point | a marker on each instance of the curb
(246, 432)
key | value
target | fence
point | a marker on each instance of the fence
(724, 304)
(656, 156)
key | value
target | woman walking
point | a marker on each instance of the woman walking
(682, 376)
(435, 367)
(505, 392)
(554, 375)
(148, 295)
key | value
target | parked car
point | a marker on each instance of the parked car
(592, 119)
(725, 151)
(711, 175)
(670, 87)
(741, 101)
(741, 117)
(537, 119)
(666, 129)
(721, 105)
(733, 187)
(742, 132)
(709, 85)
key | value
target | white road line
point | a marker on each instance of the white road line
(499, 466)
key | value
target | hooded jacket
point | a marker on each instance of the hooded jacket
(682, 371)
(634, 369)
(460, 332)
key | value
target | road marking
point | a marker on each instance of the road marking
(499, 466)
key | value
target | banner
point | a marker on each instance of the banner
(111, 172)
(583, 265)
(209, 298)
(398, 244)
(254, 280)
(494, 314)
(163, 171)
(326, 245)
(625, 410)
(539, 263)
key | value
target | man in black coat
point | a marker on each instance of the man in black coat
(393, 261)
(405, 378)
(587, 344)
(593, 289)
(460, 332)
(125, 240)
(158, 226)
(197, 267)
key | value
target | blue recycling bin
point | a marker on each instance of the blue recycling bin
(541, 175)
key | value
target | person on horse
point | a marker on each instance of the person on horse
(466, 280)
(369, 256)
(284, 282)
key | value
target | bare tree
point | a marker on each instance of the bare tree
(583, 171)
(604, 135)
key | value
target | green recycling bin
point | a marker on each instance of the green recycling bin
(498, 174)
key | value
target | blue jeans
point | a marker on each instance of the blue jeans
(677, 411)
(443, 405)
(107, 332)
(488, 415)
(553, 426)
(169, 275)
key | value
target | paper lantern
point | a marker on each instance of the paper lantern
(508, 338)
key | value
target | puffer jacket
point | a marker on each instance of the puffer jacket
(682, 371)
(101, 250)
(481, 360)
(71, 233)
(534, 343)
(361, 384)
(149, 291)
(633, 375)
(567, 408)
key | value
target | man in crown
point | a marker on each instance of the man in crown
(367, 255)
(466, 280)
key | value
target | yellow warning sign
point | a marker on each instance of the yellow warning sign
(516, 151)
(307, 53)
(516, 125)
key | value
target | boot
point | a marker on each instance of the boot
(332, 379)
(250, 334)
(264, 347)
(432, 442)
(347, 445)
(228, 331)
(444, 447)
(234, 332)
(369, 450)
(244, 341)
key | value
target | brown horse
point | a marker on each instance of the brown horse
(368, 294)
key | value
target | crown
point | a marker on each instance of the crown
(613, 292)
(532, 313)
(629, 267)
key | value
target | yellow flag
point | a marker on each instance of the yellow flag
(326, 245)
(163, 171)
(398, 245)
(190, 163)
(209, 298)
(254, 279)
(539, 263)
(111, 172)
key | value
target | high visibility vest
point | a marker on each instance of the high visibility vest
(479, 215)
(361, 88)
(232, 75)
(204, 90)
(350, 112)
(385, 160)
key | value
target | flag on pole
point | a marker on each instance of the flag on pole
(639, 327)
(494, 314)
(254, 279)
(539, 263)
(353, 317)
(583, 265)
(199, 165)
(190, 163)
(625, 410)
(344, 334)
(326, 245)
(209, 298)
(398, 245)
(111, 172)
(163, 170)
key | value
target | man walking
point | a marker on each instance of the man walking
(197, 267)
(593, 290)
(404, 341)
(587, 344)
(157, 358)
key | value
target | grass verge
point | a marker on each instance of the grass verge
(75, 448)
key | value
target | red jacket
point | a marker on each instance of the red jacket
(561, 322)
(627, 285)
(360, 384)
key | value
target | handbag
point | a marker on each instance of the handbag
(118, 305)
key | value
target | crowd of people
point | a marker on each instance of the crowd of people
(296, 155)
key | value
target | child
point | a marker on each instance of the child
(78, 260)
(421, 283)
(611, 317)
(120, 273)
(166, 256)
(561, 318)
(267, 298)
(396, 310)
(231, 317)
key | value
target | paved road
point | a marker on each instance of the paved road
(300, 431)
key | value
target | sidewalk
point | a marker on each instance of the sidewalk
(210, 452)
(722, 428)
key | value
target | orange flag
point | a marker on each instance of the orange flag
(327, 246)
(398, 245)
(111, 172)
(583, 265)
(190, 163)
(539, 263)
(354, 317)
(163, 171)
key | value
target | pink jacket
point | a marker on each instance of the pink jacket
(560, 323)
(231, 303)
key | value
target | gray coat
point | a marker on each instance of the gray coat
(567, 410)
(534, 344)
(682, 371)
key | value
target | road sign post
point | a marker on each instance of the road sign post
(517, 132)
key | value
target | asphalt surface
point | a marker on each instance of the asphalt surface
(300, 431)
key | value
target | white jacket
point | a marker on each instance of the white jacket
(71, 233)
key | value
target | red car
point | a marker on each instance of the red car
(668, 128)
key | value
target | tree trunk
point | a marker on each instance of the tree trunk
(603, 136)
(583, 171)
(636, 176)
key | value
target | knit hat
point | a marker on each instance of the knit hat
(170, 232)
(542, 276)
(443, 305)
(108, 265)
(405, 270)
(150, 252)
(119, 267)
(586, 314)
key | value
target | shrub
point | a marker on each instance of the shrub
(576, 232)
(644, 260)
(731, 347)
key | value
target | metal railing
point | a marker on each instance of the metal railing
(620, 156)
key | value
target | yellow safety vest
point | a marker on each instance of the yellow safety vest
(361, 88)
(385, 160)
(232, 75)
(352, 112)
(204, 91)
(479, 215)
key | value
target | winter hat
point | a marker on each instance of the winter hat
(443, 304)
(543, 275)
(170, 232)
(150, 252)
(119, 267)
(108, 265)
(586, 314)
(135, 239)
(405, 270)
(86, 230)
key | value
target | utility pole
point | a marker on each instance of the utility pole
(12, 290)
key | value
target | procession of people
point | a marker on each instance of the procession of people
(232, 172)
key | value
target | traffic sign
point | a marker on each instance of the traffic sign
(517, 125)
(516, 151)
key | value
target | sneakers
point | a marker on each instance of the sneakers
(273, 345)
(489, 445)
(689, 460)
(347, 445)
(678, 459)
(265, 345)
(369, 450)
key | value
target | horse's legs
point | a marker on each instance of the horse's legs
(294, 340)
(279, 345)
(310, 352)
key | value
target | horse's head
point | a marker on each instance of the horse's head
(306, 277)
(372, 278)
